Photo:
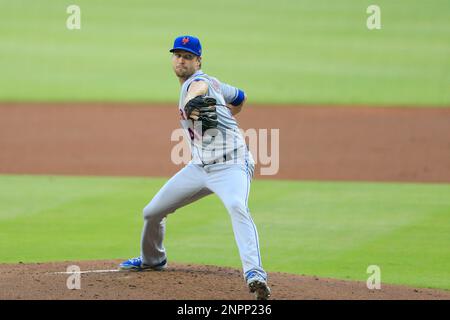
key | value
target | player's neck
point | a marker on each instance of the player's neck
(184, 79)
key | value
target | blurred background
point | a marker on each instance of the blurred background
(283, 51)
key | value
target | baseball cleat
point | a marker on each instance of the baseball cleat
(260, 289)
(136, 264)
(257, 284)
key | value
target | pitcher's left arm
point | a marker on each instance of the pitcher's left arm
(234, 97)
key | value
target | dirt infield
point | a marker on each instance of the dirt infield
(316, 143)
(39, 281)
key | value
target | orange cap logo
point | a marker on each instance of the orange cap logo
(185, 40)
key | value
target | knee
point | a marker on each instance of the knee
(236, 206)
(153, 212)
(150, 212)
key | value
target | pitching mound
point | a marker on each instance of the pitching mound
(103, 281)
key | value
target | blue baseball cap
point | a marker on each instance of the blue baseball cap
(187, 43)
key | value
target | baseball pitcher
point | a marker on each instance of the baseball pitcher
(221, 164)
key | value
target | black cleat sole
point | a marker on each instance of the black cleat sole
(260, 289)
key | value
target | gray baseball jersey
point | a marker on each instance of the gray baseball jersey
(228, 144)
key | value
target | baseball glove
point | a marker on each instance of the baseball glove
(202, 108)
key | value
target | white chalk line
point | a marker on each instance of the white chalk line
(88, 271)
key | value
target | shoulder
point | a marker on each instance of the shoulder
(198, 86)
(197, 78)
(214, 83)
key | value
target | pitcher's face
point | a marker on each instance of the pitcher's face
(185, 64)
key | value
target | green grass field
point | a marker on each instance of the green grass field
(326, 229)
(287, 51)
